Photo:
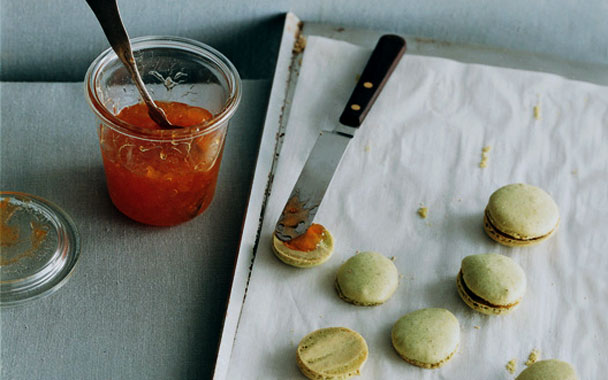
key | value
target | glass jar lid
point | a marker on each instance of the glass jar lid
(39, 246)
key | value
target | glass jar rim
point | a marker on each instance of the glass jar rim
(180, 43)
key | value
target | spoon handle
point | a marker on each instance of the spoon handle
(108, 15)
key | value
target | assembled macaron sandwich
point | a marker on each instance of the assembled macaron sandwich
(520, 215)
(490, 283)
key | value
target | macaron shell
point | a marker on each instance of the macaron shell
(303, 259)
(495, 278)
(551, 369)
(332, 353)
(367, 279)
(522, 211)
(427, 338)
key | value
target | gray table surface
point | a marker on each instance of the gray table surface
(57, 40)
(143, 302)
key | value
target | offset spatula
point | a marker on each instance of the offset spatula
(325, 156)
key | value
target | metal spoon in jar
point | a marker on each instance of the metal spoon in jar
(108, 15)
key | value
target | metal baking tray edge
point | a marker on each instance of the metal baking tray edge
(284, 82)
(270, 145)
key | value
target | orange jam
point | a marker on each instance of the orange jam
(178, 114)
(309, 240)
(9, 235)
(162, 182)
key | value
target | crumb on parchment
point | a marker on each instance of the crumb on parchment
(536, 109)
(537, 112)
(533, 357)
(511, 366)
(476, 327)
(423, 212)
(485, 154)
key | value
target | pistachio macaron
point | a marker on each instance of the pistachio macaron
(309, 250)
(367, 279)
(331, 353)
(490, 283)
(426, 338)
(551, 369)
(520, 215)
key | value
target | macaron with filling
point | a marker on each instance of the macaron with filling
(367, 279)
(491, 284)
(520, 215)
(312, 248)
(551, 369)
(426, 338)
(331, 353)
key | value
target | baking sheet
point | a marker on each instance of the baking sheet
(594, 72)
(421, 144)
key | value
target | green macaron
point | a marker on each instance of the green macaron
(520, 215)
(490, 283)
(551, 369)
(305, 259)
(426, 338)
(367, 279)
(331, 353)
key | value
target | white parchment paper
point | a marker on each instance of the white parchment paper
(421, 145)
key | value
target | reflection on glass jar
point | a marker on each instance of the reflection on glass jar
(156, 176)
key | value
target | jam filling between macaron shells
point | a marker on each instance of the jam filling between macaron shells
(506, 235)
(475, 298)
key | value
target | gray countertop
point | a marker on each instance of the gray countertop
(143, 302)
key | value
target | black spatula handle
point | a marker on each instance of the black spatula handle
(382, 62)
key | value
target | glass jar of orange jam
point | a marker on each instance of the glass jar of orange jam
(158, 176)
